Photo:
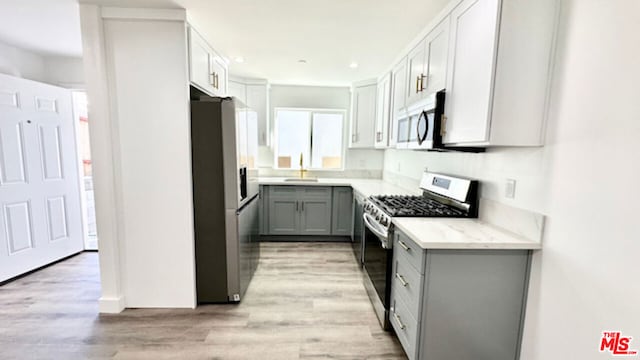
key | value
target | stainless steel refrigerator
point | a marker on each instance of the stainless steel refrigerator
(224, 145)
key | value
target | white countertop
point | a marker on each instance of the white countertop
(428, 233)
(447, 233)
(366, 187)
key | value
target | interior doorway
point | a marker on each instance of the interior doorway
(80, 105)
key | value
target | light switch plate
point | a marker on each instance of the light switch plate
(510, 189)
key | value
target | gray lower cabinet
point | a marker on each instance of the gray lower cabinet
(284, 218)
(342, 217)
(298, 210)
(458, 304)
(315, 217)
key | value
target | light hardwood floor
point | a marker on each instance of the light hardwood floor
(306, 301)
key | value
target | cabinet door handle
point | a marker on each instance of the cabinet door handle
(403, 245)
(443, 125)
(297, 206)
(378, 136)
(397, 317)
(301, 206)
(217, 82)
(402, 280)
(213, 79)
(423, 83)
(418, 84)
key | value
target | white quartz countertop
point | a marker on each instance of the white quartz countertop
(365, 187)
(447, 233)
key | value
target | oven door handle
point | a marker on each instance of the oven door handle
(367, 220)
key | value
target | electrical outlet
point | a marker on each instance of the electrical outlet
(510, 189)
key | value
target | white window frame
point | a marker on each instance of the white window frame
(311, 111)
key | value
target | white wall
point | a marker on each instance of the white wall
(138, 78)
(585, 280)
(589, 268)
(56, 70)
(358, 162)
(20, 63)
(64, 71)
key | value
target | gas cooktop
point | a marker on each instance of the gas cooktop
(414, 206)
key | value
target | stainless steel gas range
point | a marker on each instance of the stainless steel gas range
(443, 196)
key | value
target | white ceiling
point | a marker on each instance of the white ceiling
(330, 34)
(270, 35)
(47, 27)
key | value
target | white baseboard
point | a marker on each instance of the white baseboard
(111, 305)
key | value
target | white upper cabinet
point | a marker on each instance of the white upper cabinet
(383, 104)
(257, 99)
(416, 64)
(437, 43)
(363, 115)
(254, 94)
(427, 64)
(473, 34)
(498, 72)
(238, 90)
(398, 97)
(207, 70)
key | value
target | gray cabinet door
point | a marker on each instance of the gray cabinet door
(283, 216)
(315, 217)
(342, 217)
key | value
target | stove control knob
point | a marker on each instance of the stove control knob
(378, 217)
(384, 221)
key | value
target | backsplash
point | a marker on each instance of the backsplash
(524, 165)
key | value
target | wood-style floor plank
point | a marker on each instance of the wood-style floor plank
(306, 301)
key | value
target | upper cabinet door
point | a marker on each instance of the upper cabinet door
(238, 90)
(363, 116)
(199, 62)
(219, 75)
(257, 100)
(416, 65)
(437, 43)
(398, 97)
(382, 112)
(207, 70)
(472, 48)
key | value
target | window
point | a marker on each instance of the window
(317, 135)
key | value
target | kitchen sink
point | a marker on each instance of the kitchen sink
(302, 179)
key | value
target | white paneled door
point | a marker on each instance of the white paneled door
(40, 216)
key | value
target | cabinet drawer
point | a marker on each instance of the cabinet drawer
(315, 192)
(289, 192)
(405, 325)
(407, 283)
(413, 253)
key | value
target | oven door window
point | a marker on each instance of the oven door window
(377, 263)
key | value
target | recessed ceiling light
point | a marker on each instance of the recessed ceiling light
(302, 61)
(239, 59)
(353, 65)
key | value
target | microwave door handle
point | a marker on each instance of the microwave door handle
(372, 227)
(422, 137)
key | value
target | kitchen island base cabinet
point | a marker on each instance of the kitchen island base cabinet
(466, 304)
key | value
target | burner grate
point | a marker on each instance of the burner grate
(406, 206)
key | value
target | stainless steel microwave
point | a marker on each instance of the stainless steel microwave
(420, 125)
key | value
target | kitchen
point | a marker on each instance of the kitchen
(458, 177)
